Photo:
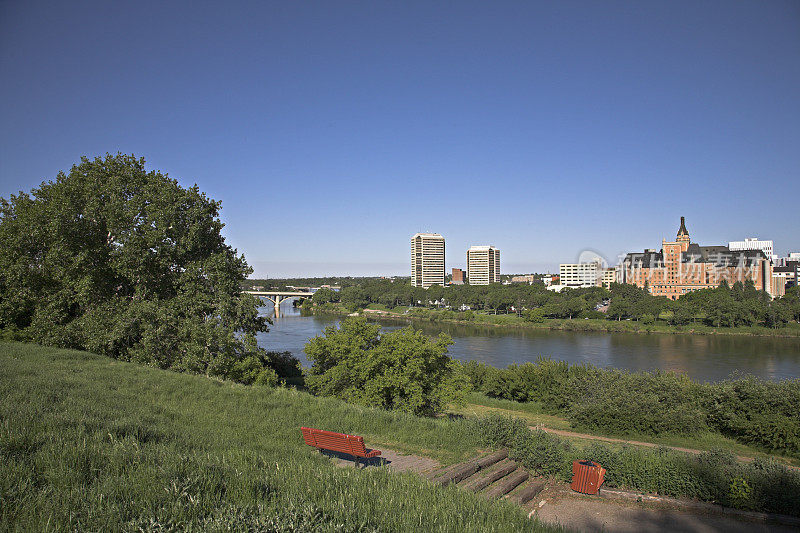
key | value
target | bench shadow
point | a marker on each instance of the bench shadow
(362, 462)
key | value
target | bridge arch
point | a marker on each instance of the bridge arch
(278, 297)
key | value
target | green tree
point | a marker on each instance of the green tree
(791, 303)
(535, 315)
(573, 306)
(324, 296)
(124, 262)
(435, 294)
(683, 311)
(354, 298)
(401, 369)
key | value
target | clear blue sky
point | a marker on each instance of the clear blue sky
(333, 131)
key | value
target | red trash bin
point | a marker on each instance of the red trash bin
(587, 477)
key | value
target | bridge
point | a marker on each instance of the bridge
(278, 297)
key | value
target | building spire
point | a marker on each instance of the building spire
(682, 230)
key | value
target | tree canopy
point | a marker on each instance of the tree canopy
(740, 304)
(125, 262)
(402, 369)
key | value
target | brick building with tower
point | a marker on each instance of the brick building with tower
(682, 267)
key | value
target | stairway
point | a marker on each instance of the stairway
(495, 476)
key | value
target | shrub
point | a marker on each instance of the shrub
(740, 492)
(535, 315)
(757, 412)
(715, 476)
(402, 369)
(652, 404)
(753, 411)
(591, 313)
(545, 381)
(268, 368)
(543, 454)
(478, 373)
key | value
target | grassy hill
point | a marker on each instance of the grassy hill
(90, 443)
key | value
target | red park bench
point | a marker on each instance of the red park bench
(338, 442)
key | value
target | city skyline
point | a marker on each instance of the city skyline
(547, 129)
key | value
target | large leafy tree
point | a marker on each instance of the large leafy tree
(125, 262)
(401, 369)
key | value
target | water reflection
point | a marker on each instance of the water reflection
(702, 357)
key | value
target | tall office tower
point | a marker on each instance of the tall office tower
(483, 265)
(427, 260)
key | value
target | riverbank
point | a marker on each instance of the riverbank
(588, 325)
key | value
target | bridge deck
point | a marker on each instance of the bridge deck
(279, 293)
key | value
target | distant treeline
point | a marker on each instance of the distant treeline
(724, 306)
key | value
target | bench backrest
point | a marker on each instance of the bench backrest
(339, 442)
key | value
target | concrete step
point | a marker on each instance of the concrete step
(506, 484)
(478, 483)
(528, 492)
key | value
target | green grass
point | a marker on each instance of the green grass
(533, 413)
(379, 307)
(89, 443)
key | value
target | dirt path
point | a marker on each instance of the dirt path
(556, 504)
(565, 433)
(389, 458)
(595, 515)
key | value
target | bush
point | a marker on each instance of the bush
(478, 373)
(716, 476)
(545, 381)
(543, 454)
(268, 368)
(535, 315)
(402, 369)
(621, 402)
(752, 411)
(757, 412)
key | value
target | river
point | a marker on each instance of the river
(702, 357)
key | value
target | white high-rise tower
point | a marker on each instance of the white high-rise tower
(427, 260)
(483, 265)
